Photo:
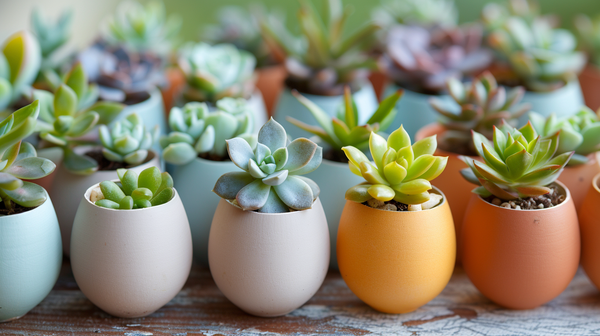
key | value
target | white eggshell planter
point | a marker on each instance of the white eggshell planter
(268, 264)
(563, 102)
(30, 259)
(130, 263)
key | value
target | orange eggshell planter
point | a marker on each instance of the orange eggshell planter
(270, 83)
(578, 179)
(396, 261)
(589, 79)
(520, 259)
(589, 221)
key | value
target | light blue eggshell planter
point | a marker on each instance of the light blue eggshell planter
(30, 259)
(563, 102)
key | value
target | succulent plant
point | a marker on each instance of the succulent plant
(150, 188)
(127, 141)
(345, 130)
(271, 180)
(424, 13)
(579, 133)
(197, 131)
(479, 105)
(589, 36)
(51, 37)
(423, 60)
(142, 28)
(215, 72)
(19, 161)
(542, 58)
(518, 164)
(401, 171)
(324, 59)
(20, 61)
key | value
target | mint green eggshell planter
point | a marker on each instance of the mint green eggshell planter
(563, 102)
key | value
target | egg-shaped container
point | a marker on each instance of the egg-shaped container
(68, 187)
(130, 263)
(151, 111)
(30, 259)
(590, 84)
(268, 264)
(521, 259)
(396, 261)
(589, 222)
(563, 102)
(578, 179)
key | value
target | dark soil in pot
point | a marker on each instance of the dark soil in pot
(551, 199)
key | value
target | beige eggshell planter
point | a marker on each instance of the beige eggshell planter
(268, 264)
(130, 263)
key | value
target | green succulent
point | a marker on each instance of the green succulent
(479, 105)
(196, 131)
(345, 130)
(518, 164)
(589, 36)
(215, 72)
(51, 37)
(20, 61)
(127, 140)
(426, 13)
(542, 57)
(324, 59)
(579, 133)
(19, 161)
(142, 28)
(271, 181)
(495, 14)
(401, 171)
(150, 188)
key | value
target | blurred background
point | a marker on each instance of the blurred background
(15, 14)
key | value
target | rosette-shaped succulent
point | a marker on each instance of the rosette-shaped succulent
(518, 164)
(344, 130)
(401, 171)
(195, 131)
(20, 61)
(150, 188)
(215, 72)
(424, 13)
(127, 141)
(579, 133)
(423, 60)
(271, 181)
(51, 37)
(324, 59)
(589, 36)
(480, 105)
(19, 161)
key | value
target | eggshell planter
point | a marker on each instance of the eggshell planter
(451, 183)
(68, 187)
(396, 261)
(413, 109)
(589, 221)
(176, 81)
(563, 102)
(194, 183)
(578, 179)
(130, 263)
(268, 264)
(30, 259)
(270, 83)
(288, 105)
(590, 85)
(521, 259)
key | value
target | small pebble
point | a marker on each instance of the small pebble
(389, 207)
(496, 201)
(375, 203)
(541, 206)
(518, 207)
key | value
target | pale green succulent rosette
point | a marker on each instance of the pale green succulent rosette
(271, 180)
(518, 164)
(579, 133)
(401, 171)
(51, 37)
(427, 13)
(589, 36)
(128, 140)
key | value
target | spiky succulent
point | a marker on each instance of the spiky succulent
(271, 180)
(20, 61)
(127, 140)
(401, 171)
(518, 164)
(19, 161)
(215, 72)
(422, 60)
(589, 36)
(579, 133)
(51, 37)
(324, 59)
(542, 58)
(345, 130)
(150, 188)
(424, 13)
(197, 131)
(479, 105)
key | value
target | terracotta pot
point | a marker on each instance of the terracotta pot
(578, 179)
(521, 259)
(270, 83)
(451, 183)
(68, 187)
(589, 222)
(268, 264)
(563, 102)
(396, 261)
(176, 80)
(130, 263)
(379, 80)
(590, 85)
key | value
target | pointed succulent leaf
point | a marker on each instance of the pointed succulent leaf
(179, 153)
(399, 139)
(111, 191)
(414, 187)
(272, 135)
(31, 168)
(79, 164)
(300, 153)
(253, 196)
(229, 184)
(240, 152)
(394, 173)
(295, 193)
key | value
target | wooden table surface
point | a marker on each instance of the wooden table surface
(200, 309)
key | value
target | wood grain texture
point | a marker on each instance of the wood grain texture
(200, 309)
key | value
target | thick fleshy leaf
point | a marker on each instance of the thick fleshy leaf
(150, 178)
(354, 169)
(9, 182)
(126, 203)
(371, 174)
(163, 197)
(129, 181)
(489, 173)
(126, 145)
(425, 146)
(136, 158)
(355, 155)
(272, 135)
(253, 196)
(399, 139)
(31, 168)
(316, 191)
(385, 108)
(329, 138)
(359, 193)
(436, 168)
(378, 146)
(295, 193)
(83, 124)
(414, 187)
(276, 178)
(419, 167)
(261, 152)
(412, 199)
(229, 184)
(274, 204)
(25, 151)
(79, 164)
(166, 181)
(77, 80)
(529, 191)
(469, 175)
(300, 153)
(518, 163)
(141, 193)
(107, 111)
(497, 191)
(10, 155)
(255, 170)
(206, 142)
(111, 191)
(394, 173)
(494, 161)
(106, 203)
(240, 152)
(281, 156)
(65, 101)
(179, 153)
(381, 192)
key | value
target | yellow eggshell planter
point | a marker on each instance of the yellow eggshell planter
(396, 261)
